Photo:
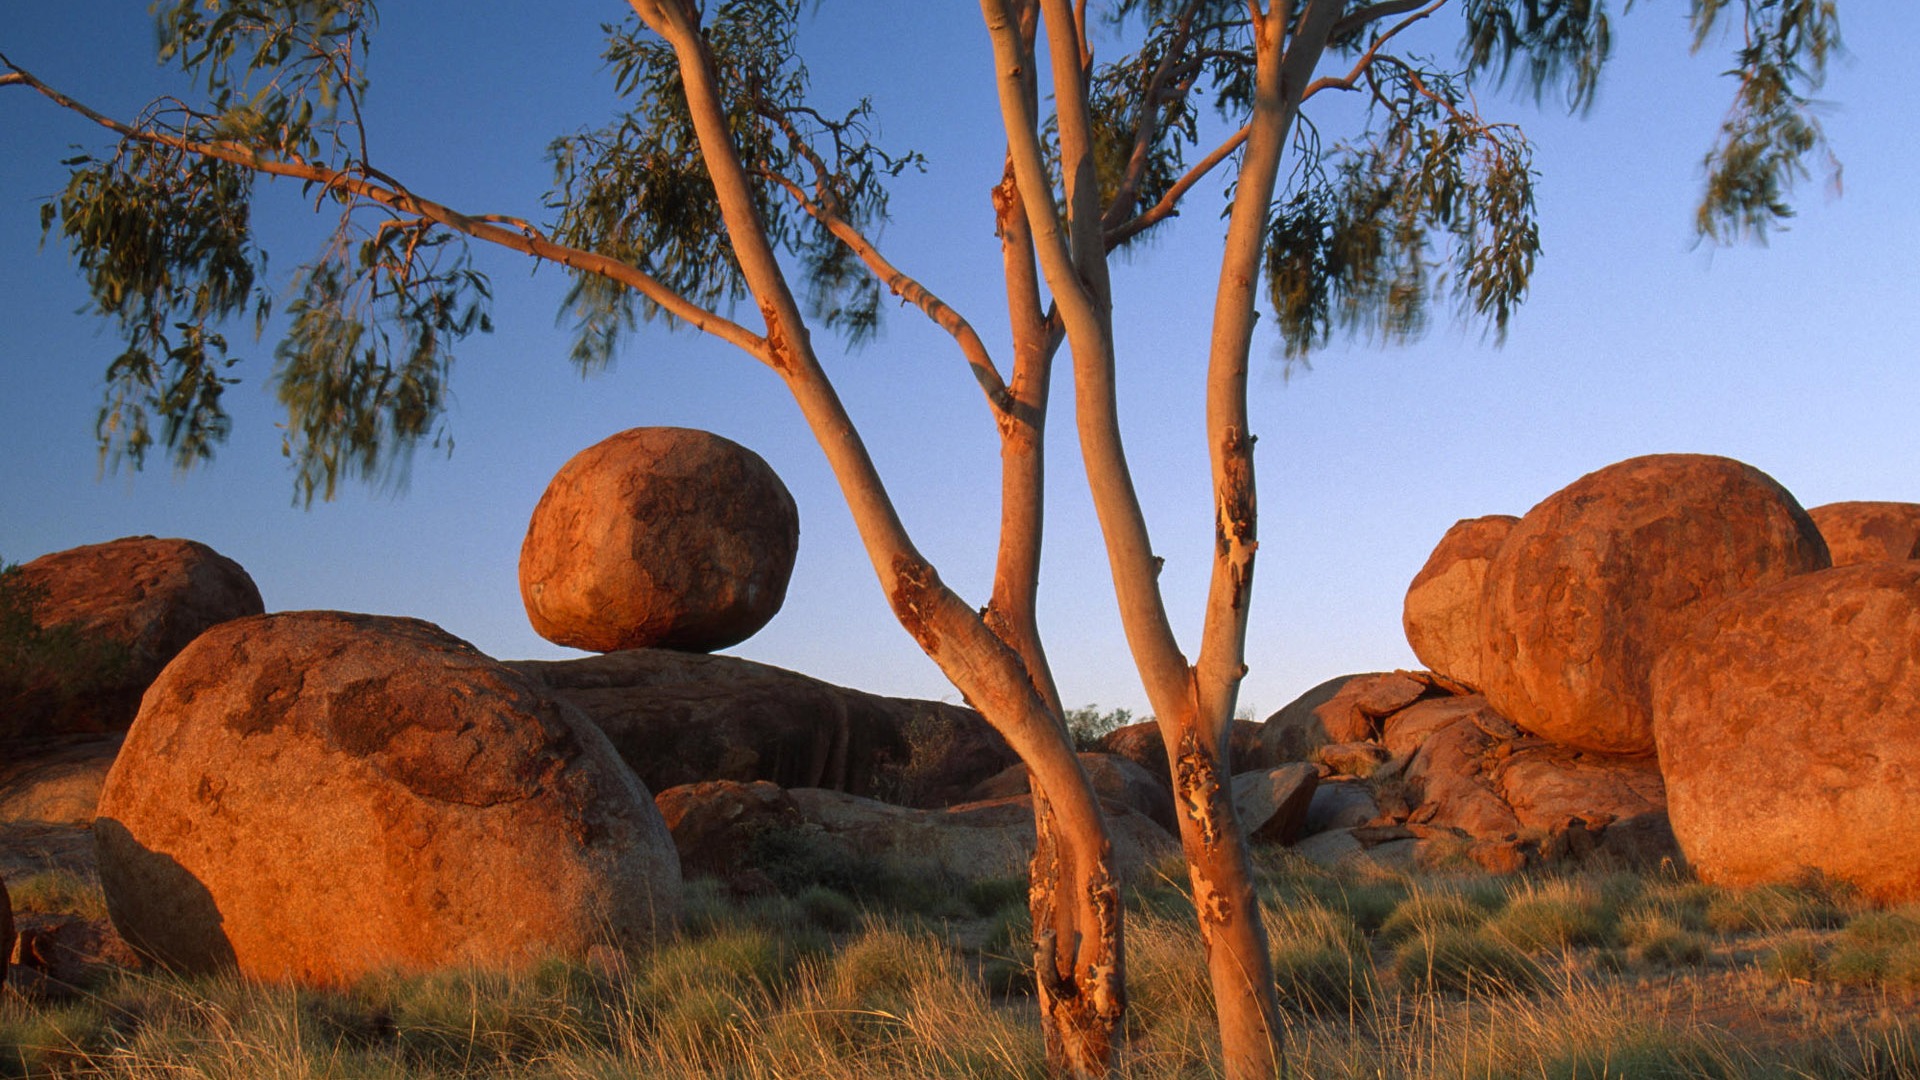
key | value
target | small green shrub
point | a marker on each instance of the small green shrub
(58, 892)
(1552, 917)
(1797, 958)
(1659, 939)
(1452, 958)
(1321, 963)
(1772, 908)
(1425, 913)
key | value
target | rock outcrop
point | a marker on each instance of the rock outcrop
(1347, 709)
(1788, 723)
(1272, 803)
(106, 618)
(6, 933)
(55, 779)
(1143, 745)
(1115, 780)
(1858, 532)
(663, 537)
(1441, 615)
(311, 797)
(715, 825)
(679, 718)
(1599, 580)
(971, 842)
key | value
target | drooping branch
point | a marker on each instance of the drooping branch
(365, 183)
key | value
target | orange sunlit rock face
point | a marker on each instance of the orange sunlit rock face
(1597, 581)
(148, 597)
(1441, 615)
(311, 797)
(1858, 532)
(1789, 732)
(662, 537)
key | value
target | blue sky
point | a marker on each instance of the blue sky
(1797, 357)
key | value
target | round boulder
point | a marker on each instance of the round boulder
(1789, 732)
(1596, 582)
(663, 537)
(314, 796)
(1859, 532)
(105, 618)
(1442, 611)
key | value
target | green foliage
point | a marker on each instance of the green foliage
(1541, 42)
(1087, 725)
(164, 241)
(638, 191)
(1353, 248)
(1771, 130)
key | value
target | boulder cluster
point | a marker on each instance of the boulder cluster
(1660, 662)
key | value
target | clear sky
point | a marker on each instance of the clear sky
(1798, 357)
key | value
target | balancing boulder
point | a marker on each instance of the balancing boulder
(1789, 730)
(1596, 582)
(662, 537)
(315, 796)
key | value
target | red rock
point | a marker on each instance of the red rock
(1341, 710)
(128, 606)
(1621, 800)
(715, 824)
(1272, 803)
(661, 537)
(1858, 532)
(1600, 579)
(680, 718)
(1441, 615)
(315, 796)
(1405, 731)
(1449, 786)
(1356, 759)
(62, 953)
(1788, 723)
(1114, 778)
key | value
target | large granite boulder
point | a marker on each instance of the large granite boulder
(1272, 804)
(55, 779)
(1859, 532)
(681, 718)
(659, 536)
(1788, 723)
(1599, 580)
(97, 623)
(315, 796)
(1441, 615)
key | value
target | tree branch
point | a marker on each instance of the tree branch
(1169, 204)
(1385, 9)
(1372, 54)
(522, 238)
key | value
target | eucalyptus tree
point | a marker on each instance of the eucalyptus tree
(721, 185)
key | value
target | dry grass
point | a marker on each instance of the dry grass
(1588, 977)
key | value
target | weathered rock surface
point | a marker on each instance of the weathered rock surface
(1599, 580)
(1272, 803)
(716, 823)
(6, 933)
(1441, 615)
(1114, 778)
(55, 779)
(314, 796)
(1858, 532)
(662, 537)
(1789, 732)
(1341, 710)
(680, 718)
(1339, 803)
(970, 842)
(1142, 744)
(59, 954)
(119, 612)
